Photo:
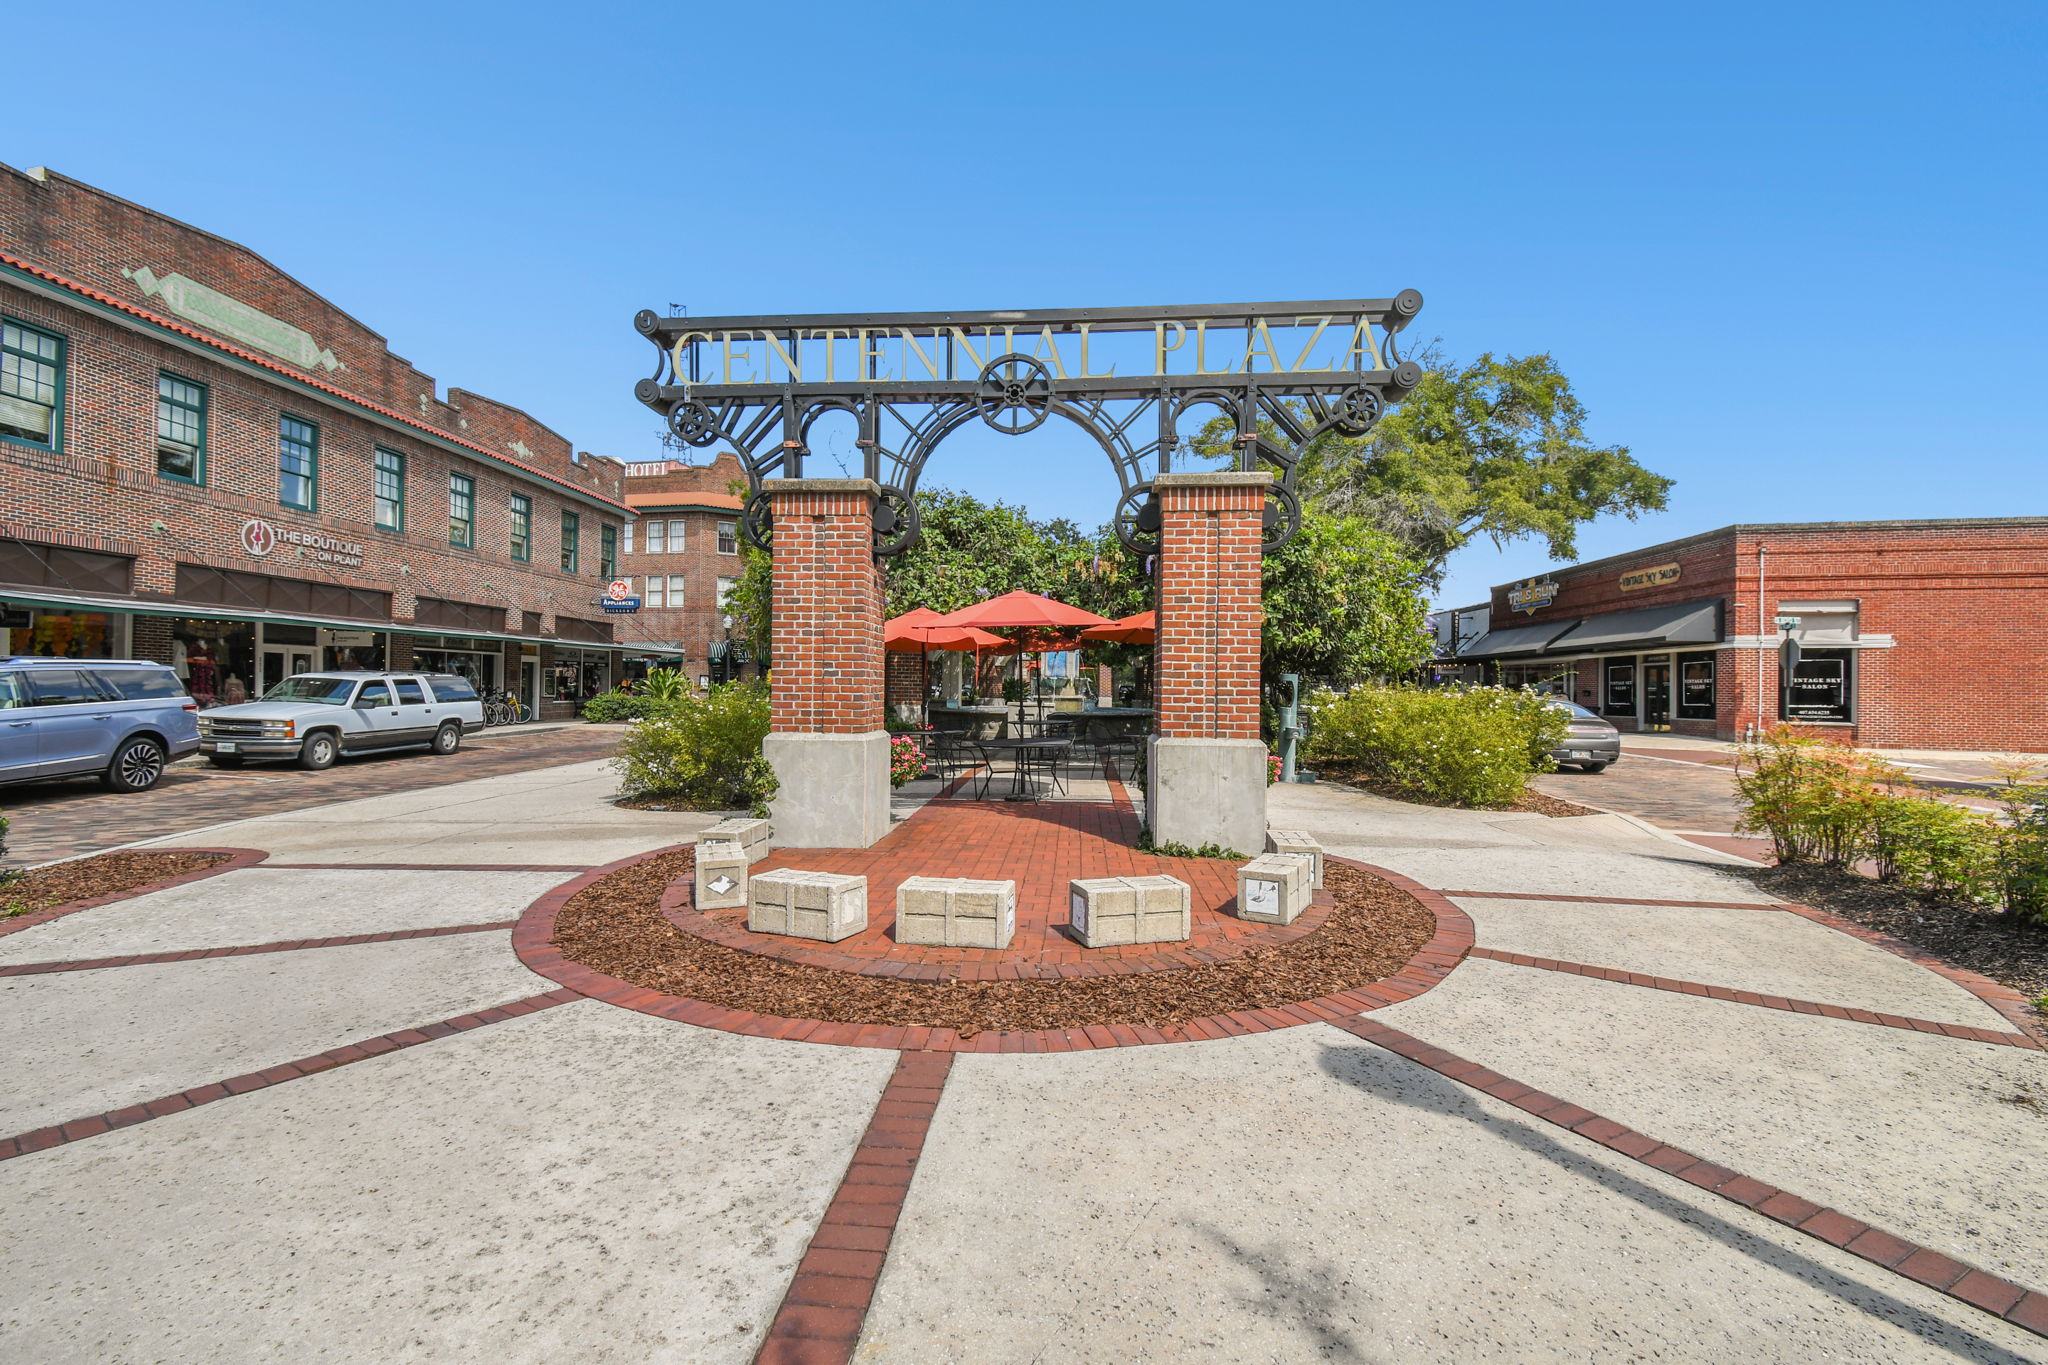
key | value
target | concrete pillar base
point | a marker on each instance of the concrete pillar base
(1207, 791)
(835, 788)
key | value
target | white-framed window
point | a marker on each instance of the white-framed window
(725, 591)
(657, 539)
(663, 590)
(675, 536)
(728, 537)
(627, 548)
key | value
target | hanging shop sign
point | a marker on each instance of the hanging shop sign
(260, 537)
(619, 598)
(1532, 593)
(1650, 578)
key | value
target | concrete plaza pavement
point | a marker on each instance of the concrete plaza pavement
(581, 1179)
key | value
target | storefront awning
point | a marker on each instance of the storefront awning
(133, 606)
(1515, 640)
(1681, 623)
(653, 649)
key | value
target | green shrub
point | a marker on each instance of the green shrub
(704, 752)
(1815, 798)
(1936, 849)
(1461, 746)
(664, 685)
(7, 874)
(2023, 854)
(611, 708)
(1013, 689)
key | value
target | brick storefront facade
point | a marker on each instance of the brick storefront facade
(681, 550)
(114, 535)
(1912, 634)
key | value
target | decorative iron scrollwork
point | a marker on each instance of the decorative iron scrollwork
(1280, 518)
(1137, 520)
(693, 423)
(1356, 411)
(1015, 395)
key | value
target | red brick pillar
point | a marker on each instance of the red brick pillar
(906, 674)
(1207, 780)
(827, 743)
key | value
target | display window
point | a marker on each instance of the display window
(577, 675)
(478, 661)
(214, 659)
(1696, 698)
(63, 634)
(1820, 687)
(1618, 695)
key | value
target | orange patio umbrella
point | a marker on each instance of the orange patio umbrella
(921, 630)
(1022, 608)
(1140, 629)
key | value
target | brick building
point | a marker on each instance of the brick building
(205, 463)
(1898, 634)
(682, 556)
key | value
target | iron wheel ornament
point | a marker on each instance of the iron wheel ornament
(757, 523)
(1137, 520)
(1280, 518)
(897, 524)
(692, 423)
(1015, 394)
(1357, 411)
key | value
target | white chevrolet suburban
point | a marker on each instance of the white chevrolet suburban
(317, 717)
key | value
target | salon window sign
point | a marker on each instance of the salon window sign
(1532, 593)
(1655, 577)
(1818, 690)
(260, 538)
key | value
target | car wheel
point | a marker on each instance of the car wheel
(319, 751)
(448, 738)
(136, 766)
(225, 760)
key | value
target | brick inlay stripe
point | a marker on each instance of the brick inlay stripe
(1612, 900)
(56, 1135)
(826, 1304)
(89, 964)
(1769, 1002)
(2022, 1307)
(238, 858)
(434, 867)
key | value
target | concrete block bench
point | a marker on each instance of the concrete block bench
(1299, 842)
(1273, 888)
(1110, 912)
(744, 830)
(956, 912)
(827, 906)
(721, 874)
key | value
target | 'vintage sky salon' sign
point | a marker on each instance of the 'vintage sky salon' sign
(1649, 578)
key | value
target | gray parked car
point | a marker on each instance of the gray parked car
(121, 720)
(1590, 743)
(317, 717)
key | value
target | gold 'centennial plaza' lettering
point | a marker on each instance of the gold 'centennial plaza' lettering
(1318, 344)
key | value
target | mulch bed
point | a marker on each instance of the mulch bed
(615, 926)
(103, 875)
(2008, 951)
(1530, 802)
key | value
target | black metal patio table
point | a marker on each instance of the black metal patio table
(1025, 751)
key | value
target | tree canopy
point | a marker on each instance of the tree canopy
(1496, 448)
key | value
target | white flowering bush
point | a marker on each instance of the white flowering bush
(1456, 746)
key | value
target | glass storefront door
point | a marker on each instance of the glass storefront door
(1657, 693)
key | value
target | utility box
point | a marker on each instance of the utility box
(827, 906)
(721, 874)
(1110, 912)
(1302, 843)
(1273, 888)
(750, 833)
(956, 912)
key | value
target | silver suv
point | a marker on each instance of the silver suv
(119, 719)
(317, 717)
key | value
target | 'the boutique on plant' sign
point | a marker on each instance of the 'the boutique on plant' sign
(260, 537)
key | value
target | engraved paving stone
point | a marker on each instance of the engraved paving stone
(827, 906)
(1273, 888)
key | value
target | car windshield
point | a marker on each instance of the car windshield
(325, 691)
(1578, 712)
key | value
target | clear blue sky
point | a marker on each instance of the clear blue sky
(1792, 255)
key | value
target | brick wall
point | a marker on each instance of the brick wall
(697, 498)
(828, 608)
(1211, 608)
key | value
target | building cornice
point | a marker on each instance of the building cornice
(50, 284)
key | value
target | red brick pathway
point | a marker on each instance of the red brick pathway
(53, 820)
(1041, 846)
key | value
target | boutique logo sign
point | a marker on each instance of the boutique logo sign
(260, 537)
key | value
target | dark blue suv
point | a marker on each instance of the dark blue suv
(120, 719)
